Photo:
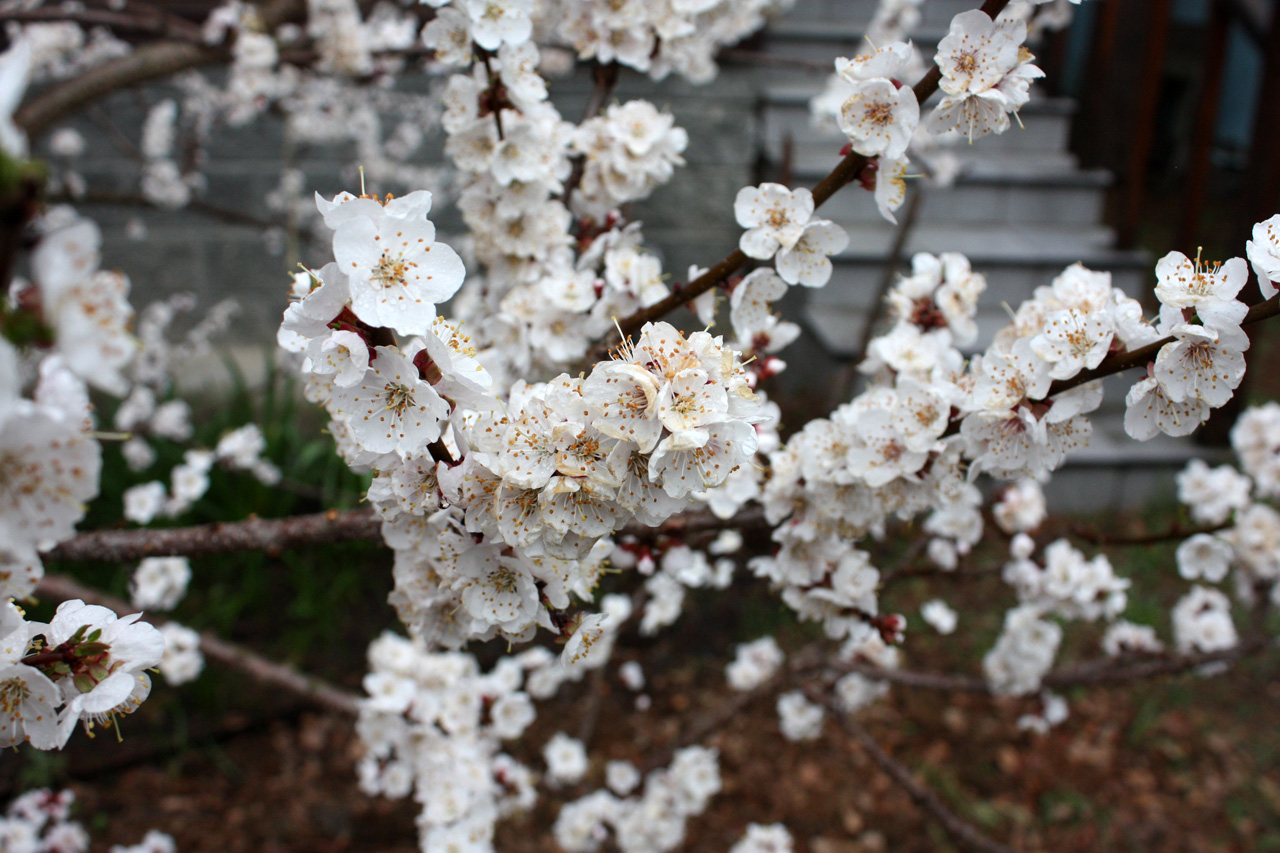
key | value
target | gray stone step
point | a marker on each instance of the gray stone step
(1115, 471)
(823, 41)
(995, 245)
(1048, 196)
(935, 14)
(1014, 259)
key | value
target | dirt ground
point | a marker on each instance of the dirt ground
(1185, 764)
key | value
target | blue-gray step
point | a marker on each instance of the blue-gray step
(1015, 260)
(934, 14)
(1049, 197)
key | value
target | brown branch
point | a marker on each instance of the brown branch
(605, 77)
(148, 62)
(1094, 672)
(1175, 531)
(888, 275)
(153, 22)
(1106, 671)
(278, 534)
(1122, 361)
(845, 172)
(252, 534)
(961, 831)
(264, 670)
(697, 522)
(957, 574)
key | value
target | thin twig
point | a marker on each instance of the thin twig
(605, 77)
(1093, 672)
(961, 831)
(1175, 531)
(252, 534)
(1126, 360)
(597, 688)
(749, 518)
(215, 648)
(888, 274)
(800, 666)
(279, 534)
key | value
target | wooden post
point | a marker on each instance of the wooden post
(1206, 117)
(1156, 21)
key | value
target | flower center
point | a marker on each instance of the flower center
(389, 270)
(966, 63)
(879, 113)
(13, 692)
(399, 397)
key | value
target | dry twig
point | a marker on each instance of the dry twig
(215, 648)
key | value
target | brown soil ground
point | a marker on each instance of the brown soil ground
(1186, 764)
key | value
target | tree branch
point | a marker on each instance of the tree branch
(215, 648)
(153, 21)
(278, 534)
(604, 77)
(149, 62)
(798, 668)
(1094, 672)
(222, 214)
(252, 534)
(1175, 531)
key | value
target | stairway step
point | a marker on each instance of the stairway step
(1014, 260)
(854, 282)
(1116, 472)
(1073, 198)
(996, 244)
(827, 39)
(934, 15)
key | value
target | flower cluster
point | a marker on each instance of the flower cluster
(432, 726)
(681, 36)
(86, 665)
(1204, 363)
(986, 74)
(49, 467)
(39, 821)
(654, 820)
(573, 460)
(1067, 585)
(780, 222)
